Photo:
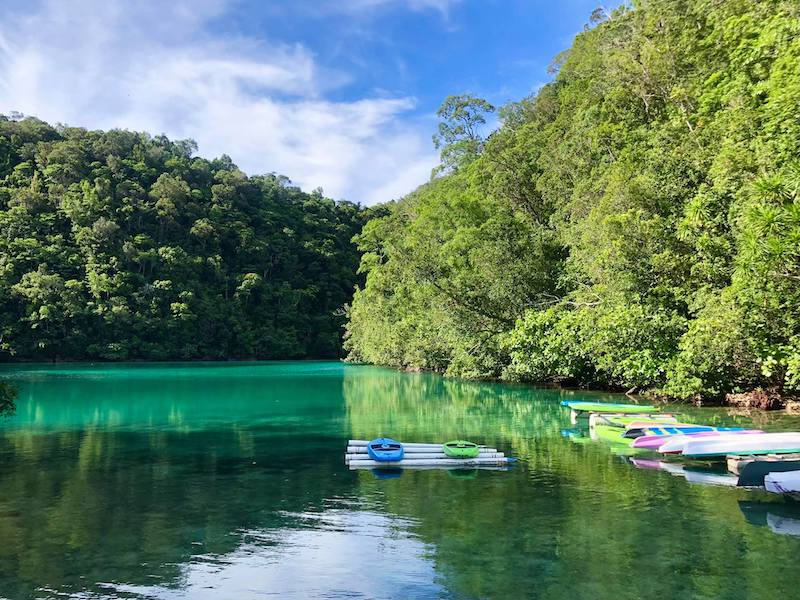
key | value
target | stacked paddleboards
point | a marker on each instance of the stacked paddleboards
(383, 453)
(632, 428)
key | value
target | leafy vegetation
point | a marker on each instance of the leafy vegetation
(635, 224)
(117, 245)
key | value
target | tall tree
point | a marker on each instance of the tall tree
(459, 138)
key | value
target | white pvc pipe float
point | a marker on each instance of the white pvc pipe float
(412, 450)
(424, 456)
(415, 467)
(434, 462)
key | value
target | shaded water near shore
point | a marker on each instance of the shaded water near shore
(227, 481)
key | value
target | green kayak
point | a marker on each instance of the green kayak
(605, 407)
(608, 433)
(460, 449)
(616, 443)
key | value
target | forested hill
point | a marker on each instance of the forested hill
(117, 245)
(635, 224)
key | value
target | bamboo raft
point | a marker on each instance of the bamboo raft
(424, 455)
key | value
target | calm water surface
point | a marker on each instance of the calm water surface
(227, 481)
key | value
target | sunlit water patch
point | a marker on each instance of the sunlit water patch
(335, 554)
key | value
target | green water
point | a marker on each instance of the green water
(227, 481)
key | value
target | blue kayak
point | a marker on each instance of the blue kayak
(385, 450)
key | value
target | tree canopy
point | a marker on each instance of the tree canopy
(634, 224)
(459, 137)
(119, 245)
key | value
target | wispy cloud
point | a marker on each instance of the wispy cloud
(159, 67)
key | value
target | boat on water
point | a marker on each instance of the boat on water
(607, 407)
(611, 428)
(385, 450)
(622, 421)
(651, 442)
(651, 421)
(753, 473)
(460, 449)
(735, 444)
(635, 431)
(657, 441)
(613, 436)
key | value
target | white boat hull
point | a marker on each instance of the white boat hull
(762, 443)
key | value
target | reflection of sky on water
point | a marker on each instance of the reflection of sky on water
(335, 554)
(783, 525)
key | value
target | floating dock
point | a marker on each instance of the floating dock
(424, 455)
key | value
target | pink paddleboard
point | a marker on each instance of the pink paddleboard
(653, 442)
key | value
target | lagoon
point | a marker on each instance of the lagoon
(226, 480)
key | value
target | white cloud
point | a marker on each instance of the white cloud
(145, 67)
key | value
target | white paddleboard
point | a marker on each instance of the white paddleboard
(757, 443)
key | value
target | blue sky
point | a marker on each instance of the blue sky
(340, 94)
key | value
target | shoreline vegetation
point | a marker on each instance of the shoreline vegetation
(634, 225)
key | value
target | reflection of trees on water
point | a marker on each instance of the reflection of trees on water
(571, 520)
(98, 498)
(126, 474)
(136, 508)
(8, 396)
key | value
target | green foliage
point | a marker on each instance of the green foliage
(750, 333)
(447, 271)
(116, 245)
(636, 223)
(459, 138)
(623, 345)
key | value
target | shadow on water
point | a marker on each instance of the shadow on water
(228, 481)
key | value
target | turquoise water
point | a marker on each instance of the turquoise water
(227, 481)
